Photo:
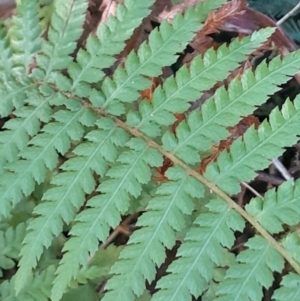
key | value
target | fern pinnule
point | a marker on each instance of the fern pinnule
(124, 181)
(38, 287)
(253, 270)
(41, 155)
(109, 40)
(280, 206)
(6, 61)
(37, 159)
(81, 169)
(16, 132)
(202, 250)
(24, 35)
(160, 51)
(76, 180)
(12, 92)
(66, 27)
(291, 243)
(10, 245)
(164, 217)
(289, 288)
(202, 128)
(256, 148)
(188, 84)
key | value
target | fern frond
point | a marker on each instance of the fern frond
(46, 10)
(100, 265)
(109, 40)
(188, 85)
(24, 35)
(12, 92)
(291, 243)
(125, 181)
(164, 217)
(41, 155)
(201, 251)
(39, 158)
(25, 42)
(13, 95)
(64, 199)
(226, 108)
(244, 281)
(10, 245)
(66, 28)
(255, 150)
(281, 206)
(289, 290)
(6, 61)
(160, 50)
(17, 131)
(38, 288)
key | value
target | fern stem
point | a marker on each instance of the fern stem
(213, 188)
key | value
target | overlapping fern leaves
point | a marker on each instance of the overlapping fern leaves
(110, 151)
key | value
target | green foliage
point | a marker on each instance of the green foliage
(146, 248)
(80, 150)
(200, 253)
(256, 146)
(278, 207)
(176, 93)
(290, 288)
(254, 269)
(25, 40)
(10, 244)
(38, 288)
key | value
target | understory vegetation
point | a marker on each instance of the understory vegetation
(148, 151)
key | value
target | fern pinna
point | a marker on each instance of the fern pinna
(81, 149)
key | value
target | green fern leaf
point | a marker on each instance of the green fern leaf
(99, 265)
(226, 108)
(244, 281)
(24, 35)
(64, 199)
(161, 50)
(41, 155)
(125, 181)
(39, 158)
(109, 41)
(46, 11)
(38, 288)
(6, 62)
(27, 123)
(146, 247)
(10, 246)
(257, 147)
(66, 28)
(281, 206)
(188, 85)
(200, 252)
(12, 92)
(56, 148)
(13, 95)
(289, 290)
(292, 244)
